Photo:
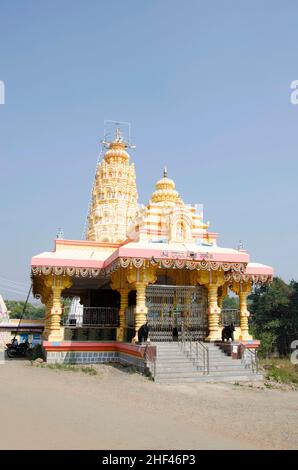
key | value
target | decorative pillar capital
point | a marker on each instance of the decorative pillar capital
(206, 278)
(119, 280)
(243, 288)
(146, 275)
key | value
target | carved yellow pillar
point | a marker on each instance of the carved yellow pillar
(141, 309)
(123, 305)
(56, 331)
(243, 289)
(53, 330)
(212, 281)
(213, 313)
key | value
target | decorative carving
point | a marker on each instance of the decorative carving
(258, 279)
(66, 271)
(146, 276)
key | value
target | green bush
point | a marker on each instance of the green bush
(268, 342)
(37, 352)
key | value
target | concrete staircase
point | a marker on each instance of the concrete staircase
(175, 366)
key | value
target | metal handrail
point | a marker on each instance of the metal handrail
(197, 352)
(151, 359)
(253, 361)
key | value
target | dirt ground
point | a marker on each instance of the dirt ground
(50, 409)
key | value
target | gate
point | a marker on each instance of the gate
(174, 308)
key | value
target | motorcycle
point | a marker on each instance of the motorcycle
(19, 350)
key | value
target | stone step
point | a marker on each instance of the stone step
(193, 369)
(175, 375)
(221, 360)
(175, 370)
(168, 349)
(227, 367)
(210, 378)
(212, 358)
(180, 363)
(172, 358)
(174, 365)
(228, 372)
(175, 357)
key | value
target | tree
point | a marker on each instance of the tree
(230, 303)
(15, 308)
(274, 311)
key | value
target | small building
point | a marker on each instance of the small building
(22, 329)
(157, 263)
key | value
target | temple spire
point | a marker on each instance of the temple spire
(114, 197)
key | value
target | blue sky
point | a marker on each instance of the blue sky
(206, 87)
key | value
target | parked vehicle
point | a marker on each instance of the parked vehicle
(19, 350)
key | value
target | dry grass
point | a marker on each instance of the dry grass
(69, 368)
(280, 370)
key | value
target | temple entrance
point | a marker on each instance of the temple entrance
(172, 309)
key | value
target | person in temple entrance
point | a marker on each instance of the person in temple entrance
(143, 333)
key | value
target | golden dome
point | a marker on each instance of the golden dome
(165, 190)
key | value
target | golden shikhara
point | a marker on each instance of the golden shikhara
(115, 198)
(115, 215)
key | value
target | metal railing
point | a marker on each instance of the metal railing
(249, 358)
(196, 351)
(99, 317)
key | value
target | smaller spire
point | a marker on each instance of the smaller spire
(165, 172)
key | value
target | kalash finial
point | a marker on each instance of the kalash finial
(165, 172)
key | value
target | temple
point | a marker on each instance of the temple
(157, 263)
